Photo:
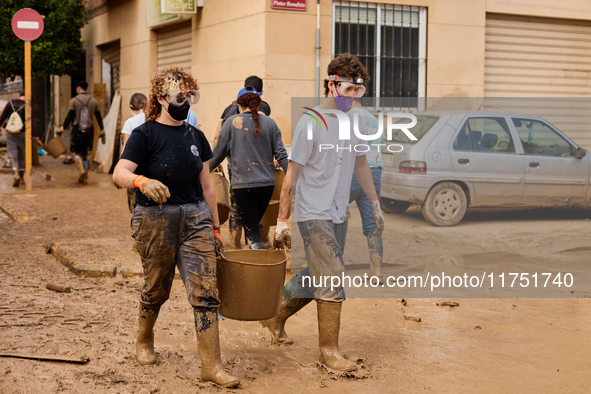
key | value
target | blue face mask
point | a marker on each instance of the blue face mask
(344, 103)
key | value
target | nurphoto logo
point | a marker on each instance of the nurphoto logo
(345, 129)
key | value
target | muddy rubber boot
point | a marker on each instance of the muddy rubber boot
(145, 339)
(376, 253)
(17, 179)
(276, 325)
(208, 338)
(329, 324)
(81, 170)
(264, 233)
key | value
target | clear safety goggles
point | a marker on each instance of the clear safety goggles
(348, 87)
(179, 97)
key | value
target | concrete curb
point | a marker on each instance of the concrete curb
(19, 217)
(79, 268)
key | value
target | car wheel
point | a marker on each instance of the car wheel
(445, 204)
(393, 206)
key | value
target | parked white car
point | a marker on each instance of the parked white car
(474, 159)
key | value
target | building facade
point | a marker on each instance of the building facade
(412, 48)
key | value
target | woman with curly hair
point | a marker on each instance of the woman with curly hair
(251, 140)
(175, 221)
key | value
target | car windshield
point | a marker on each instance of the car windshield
(423, 125)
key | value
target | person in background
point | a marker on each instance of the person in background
(137, 105)
(374, 159)
(251, 140)
(175, 221)
(235, 222)
(15, 142)
(82, 109)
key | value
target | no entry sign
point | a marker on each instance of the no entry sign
(27, 24)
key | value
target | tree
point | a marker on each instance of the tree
(58, 49)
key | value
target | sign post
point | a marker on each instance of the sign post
(27, 25)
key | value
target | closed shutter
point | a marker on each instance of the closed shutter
(540, 58)
(174, 47)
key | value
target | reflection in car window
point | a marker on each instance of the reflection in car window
(538, 138)
(423, 125)
(485, 134)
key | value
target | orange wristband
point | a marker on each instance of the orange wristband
(281, 220)
(140, 181)
(373, 200)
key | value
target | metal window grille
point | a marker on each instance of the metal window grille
(389, 40)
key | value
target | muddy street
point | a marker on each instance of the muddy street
(483, 344)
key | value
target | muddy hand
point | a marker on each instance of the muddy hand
(59, 131)
(103, 136)
(151, 188)
(282, 237)
(376, 211)
(219, 242)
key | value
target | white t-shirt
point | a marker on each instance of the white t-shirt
(324, 185)
(133, 122)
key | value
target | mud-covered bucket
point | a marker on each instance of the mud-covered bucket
(222, 195)
(251, 283)
(55, 147)
(270, 216)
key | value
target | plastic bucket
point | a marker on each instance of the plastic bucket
(222, 195)
(250, 283)
(272, 211)
(55, 147)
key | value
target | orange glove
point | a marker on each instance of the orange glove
(151, 188)
(219, 243)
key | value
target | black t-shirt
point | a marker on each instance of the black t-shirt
(232, 110)
(174, 155)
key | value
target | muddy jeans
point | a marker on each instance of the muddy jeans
(176, 235)
(324, 244)
(16, 150)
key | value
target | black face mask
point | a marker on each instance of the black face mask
(180, 112)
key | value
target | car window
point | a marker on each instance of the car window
(423, 125)
(538, 138)
(485, 134)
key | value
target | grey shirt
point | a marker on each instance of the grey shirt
(251, 158)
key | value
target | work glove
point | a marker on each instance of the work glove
(376, 211)
(151, 188)
(282, 235)
(219, 242)
(103, 137)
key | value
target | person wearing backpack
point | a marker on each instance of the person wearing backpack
(82, 108)
(14, 115)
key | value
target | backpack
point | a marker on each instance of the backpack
(15, 123)
(85, 121)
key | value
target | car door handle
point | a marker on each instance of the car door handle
(463, 161)
(534, 164)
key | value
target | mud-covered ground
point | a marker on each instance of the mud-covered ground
(484, 344)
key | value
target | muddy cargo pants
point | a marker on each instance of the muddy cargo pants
(176, 235)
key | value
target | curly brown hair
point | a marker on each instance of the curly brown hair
(166, 82)
(345, 65)
(252, 101)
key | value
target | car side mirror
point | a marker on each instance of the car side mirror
(580, 153)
